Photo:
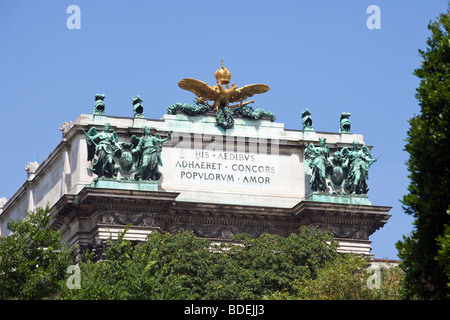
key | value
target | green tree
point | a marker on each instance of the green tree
(428, 165)
(182, 266)
(129, 272)
(261, 266)
(184, 262)
(347, 278)
(32, 259)
(443, 256)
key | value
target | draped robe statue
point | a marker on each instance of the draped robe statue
(317, 159)
(358, 162)
(149, 151)
(104, 145)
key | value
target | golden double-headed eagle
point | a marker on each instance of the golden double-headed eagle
(220, 95)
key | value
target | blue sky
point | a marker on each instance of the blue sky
(313, 54)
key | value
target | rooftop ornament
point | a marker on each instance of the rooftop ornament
(223, 96)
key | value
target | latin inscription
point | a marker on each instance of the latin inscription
(231, 167)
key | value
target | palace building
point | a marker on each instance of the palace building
(214, 170)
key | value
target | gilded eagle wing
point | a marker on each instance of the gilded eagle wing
(199, 88)
(248, 91)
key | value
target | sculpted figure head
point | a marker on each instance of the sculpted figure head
(146, 131)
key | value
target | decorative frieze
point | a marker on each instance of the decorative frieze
(123, 218)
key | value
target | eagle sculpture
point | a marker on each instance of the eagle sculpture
(221, 96)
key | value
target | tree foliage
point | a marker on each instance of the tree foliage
(270, 263)
(32, 259)
(305, 265)
(185, 267)
(346, 278)
(425, 252)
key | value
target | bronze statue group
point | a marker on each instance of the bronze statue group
(347, 171)
(138, 159)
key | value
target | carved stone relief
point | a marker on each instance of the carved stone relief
(123, 218)
(346, 231)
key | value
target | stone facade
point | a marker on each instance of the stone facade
(249, 179)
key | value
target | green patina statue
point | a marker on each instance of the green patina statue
(148, 149)
(317, 159)
(138, 159)
(224, 116)
(104, 145)
(358, 163)
(347, 171)
(138, 108)
(345, 123)
(307, 120)
(337, 172)
(99, 108)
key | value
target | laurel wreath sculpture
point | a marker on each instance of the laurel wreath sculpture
(224, 116)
